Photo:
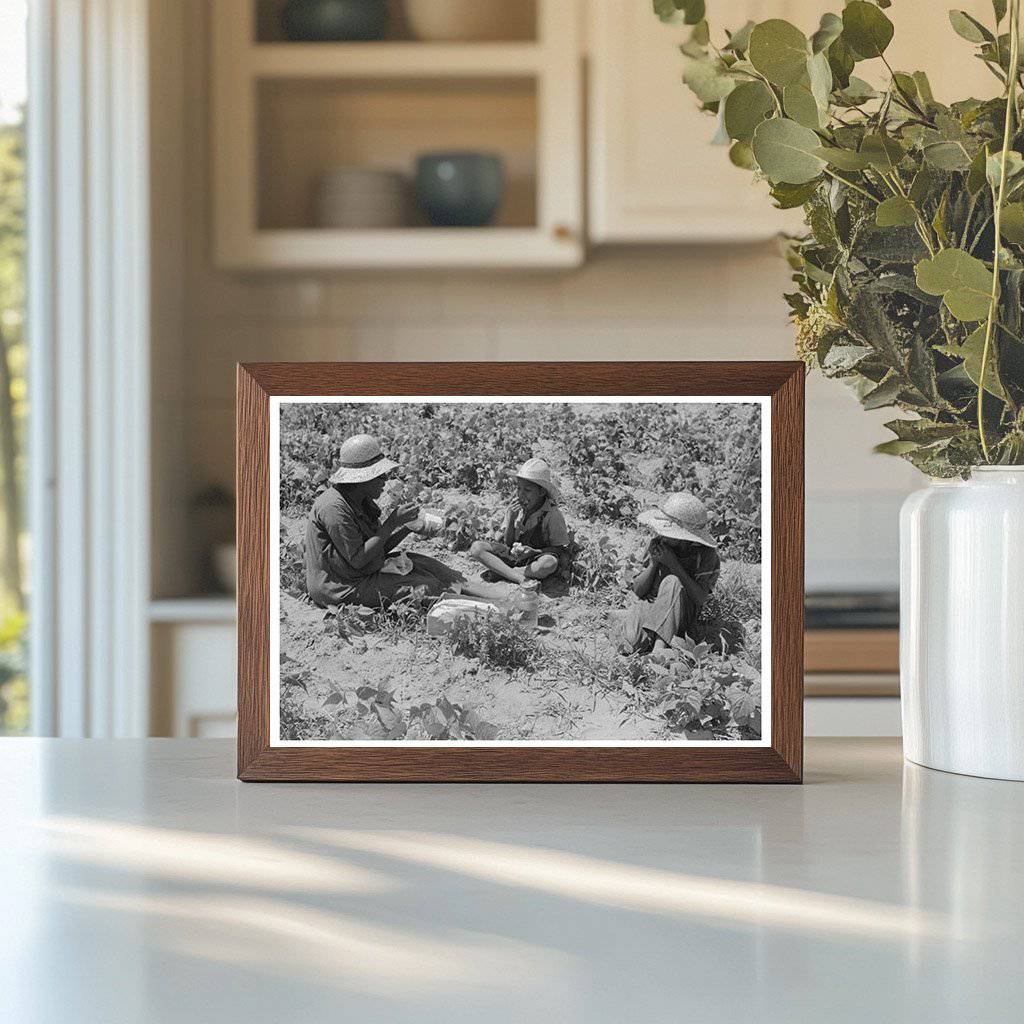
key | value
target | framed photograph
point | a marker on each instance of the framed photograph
(578, 572)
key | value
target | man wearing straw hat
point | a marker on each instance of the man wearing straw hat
(348, 544)
(681, 571)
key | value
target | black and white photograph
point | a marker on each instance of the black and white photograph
(519, 571)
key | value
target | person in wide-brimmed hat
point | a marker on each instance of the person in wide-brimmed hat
(533, 543)
(348, 543)
(680, 572)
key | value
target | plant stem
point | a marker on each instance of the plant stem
(853, 185)
(910, 102)
(775, 98)
(896, 186)
(1011, 108)
(995, 72)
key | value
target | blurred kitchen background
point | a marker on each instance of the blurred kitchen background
(291, 218)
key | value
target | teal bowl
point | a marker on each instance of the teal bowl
(334, 21)
(460, 190)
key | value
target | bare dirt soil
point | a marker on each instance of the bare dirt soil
(366, 675)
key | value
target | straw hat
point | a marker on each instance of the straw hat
(681, 517)
(537, 471)
(361, 460)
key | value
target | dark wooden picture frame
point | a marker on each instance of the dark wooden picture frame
(781, 761)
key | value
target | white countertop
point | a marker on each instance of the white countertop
(140, 882)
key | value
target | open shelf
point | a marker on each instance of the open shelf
(393, 60)
(286, 114)
(406, 248)
(309, 127)
(520, 23)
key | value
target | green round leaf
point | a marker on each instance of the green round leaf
(840, 61)
(787, 152)
(844, 159)
(971, 351)
(1012, 224)
(963, 281)
(905, 85)
(976, 174)
(924, 87)
(690, 12)
(740, 39)
(801, 106)
(707, 79)
(693, 11)
(883, 152)
(665, 10)
(829, 30)
(924, 181)
(947, 156)
(993, 166)
(895, 212)
(820, 76)
(896, 447)
(788, 197)
(745, 108)
(779, 51)
(857, 91)
(741, 155)
(866, 29)
(969, 28)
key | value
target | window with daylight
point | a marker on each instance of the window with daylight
(14, 684)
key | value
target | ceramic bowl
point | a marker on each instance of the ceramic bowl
(359, 197)
(459, 189)
(333, 21)
(470, 20)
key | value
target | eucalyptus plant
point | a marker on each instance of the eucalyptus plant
(910, 278)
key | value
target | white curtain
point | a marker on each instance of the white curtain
(89, 389)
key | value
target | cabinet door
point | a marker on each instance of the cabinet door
(654, 177)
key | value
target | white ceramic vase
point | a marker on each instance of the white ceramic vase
(962, 624)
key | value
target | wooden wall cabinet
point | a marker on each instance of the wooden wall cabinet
(285, 113)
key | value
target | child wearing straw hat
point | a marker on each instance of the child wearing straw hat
(681, 570)
(348, 543)
(534, 540)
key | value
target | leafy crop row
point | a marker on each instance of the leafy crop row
(611, 459)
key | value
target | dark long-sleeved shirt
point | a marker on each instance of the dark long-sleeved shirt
(702, 563)
(336, 533)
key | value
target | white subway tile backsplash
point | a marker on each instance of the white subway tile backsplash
(502, 298)
(434, 343)
(853, 540)
(221, 296)
(388, 297)
(686, 286)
